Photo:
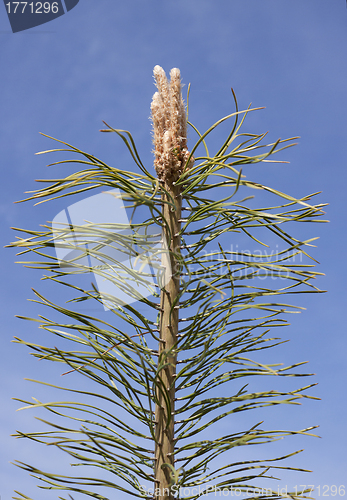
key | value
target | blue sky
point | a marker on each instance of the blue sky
(95, 63)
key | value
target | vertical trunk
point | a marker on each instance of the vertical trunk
(171, 156)
(164, 447)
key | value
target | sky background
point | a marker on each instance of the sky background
(95, 63)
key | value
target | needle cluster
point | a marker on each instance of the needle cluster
(164, 382)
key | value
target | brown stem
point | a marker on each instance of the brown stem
(164, 435)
